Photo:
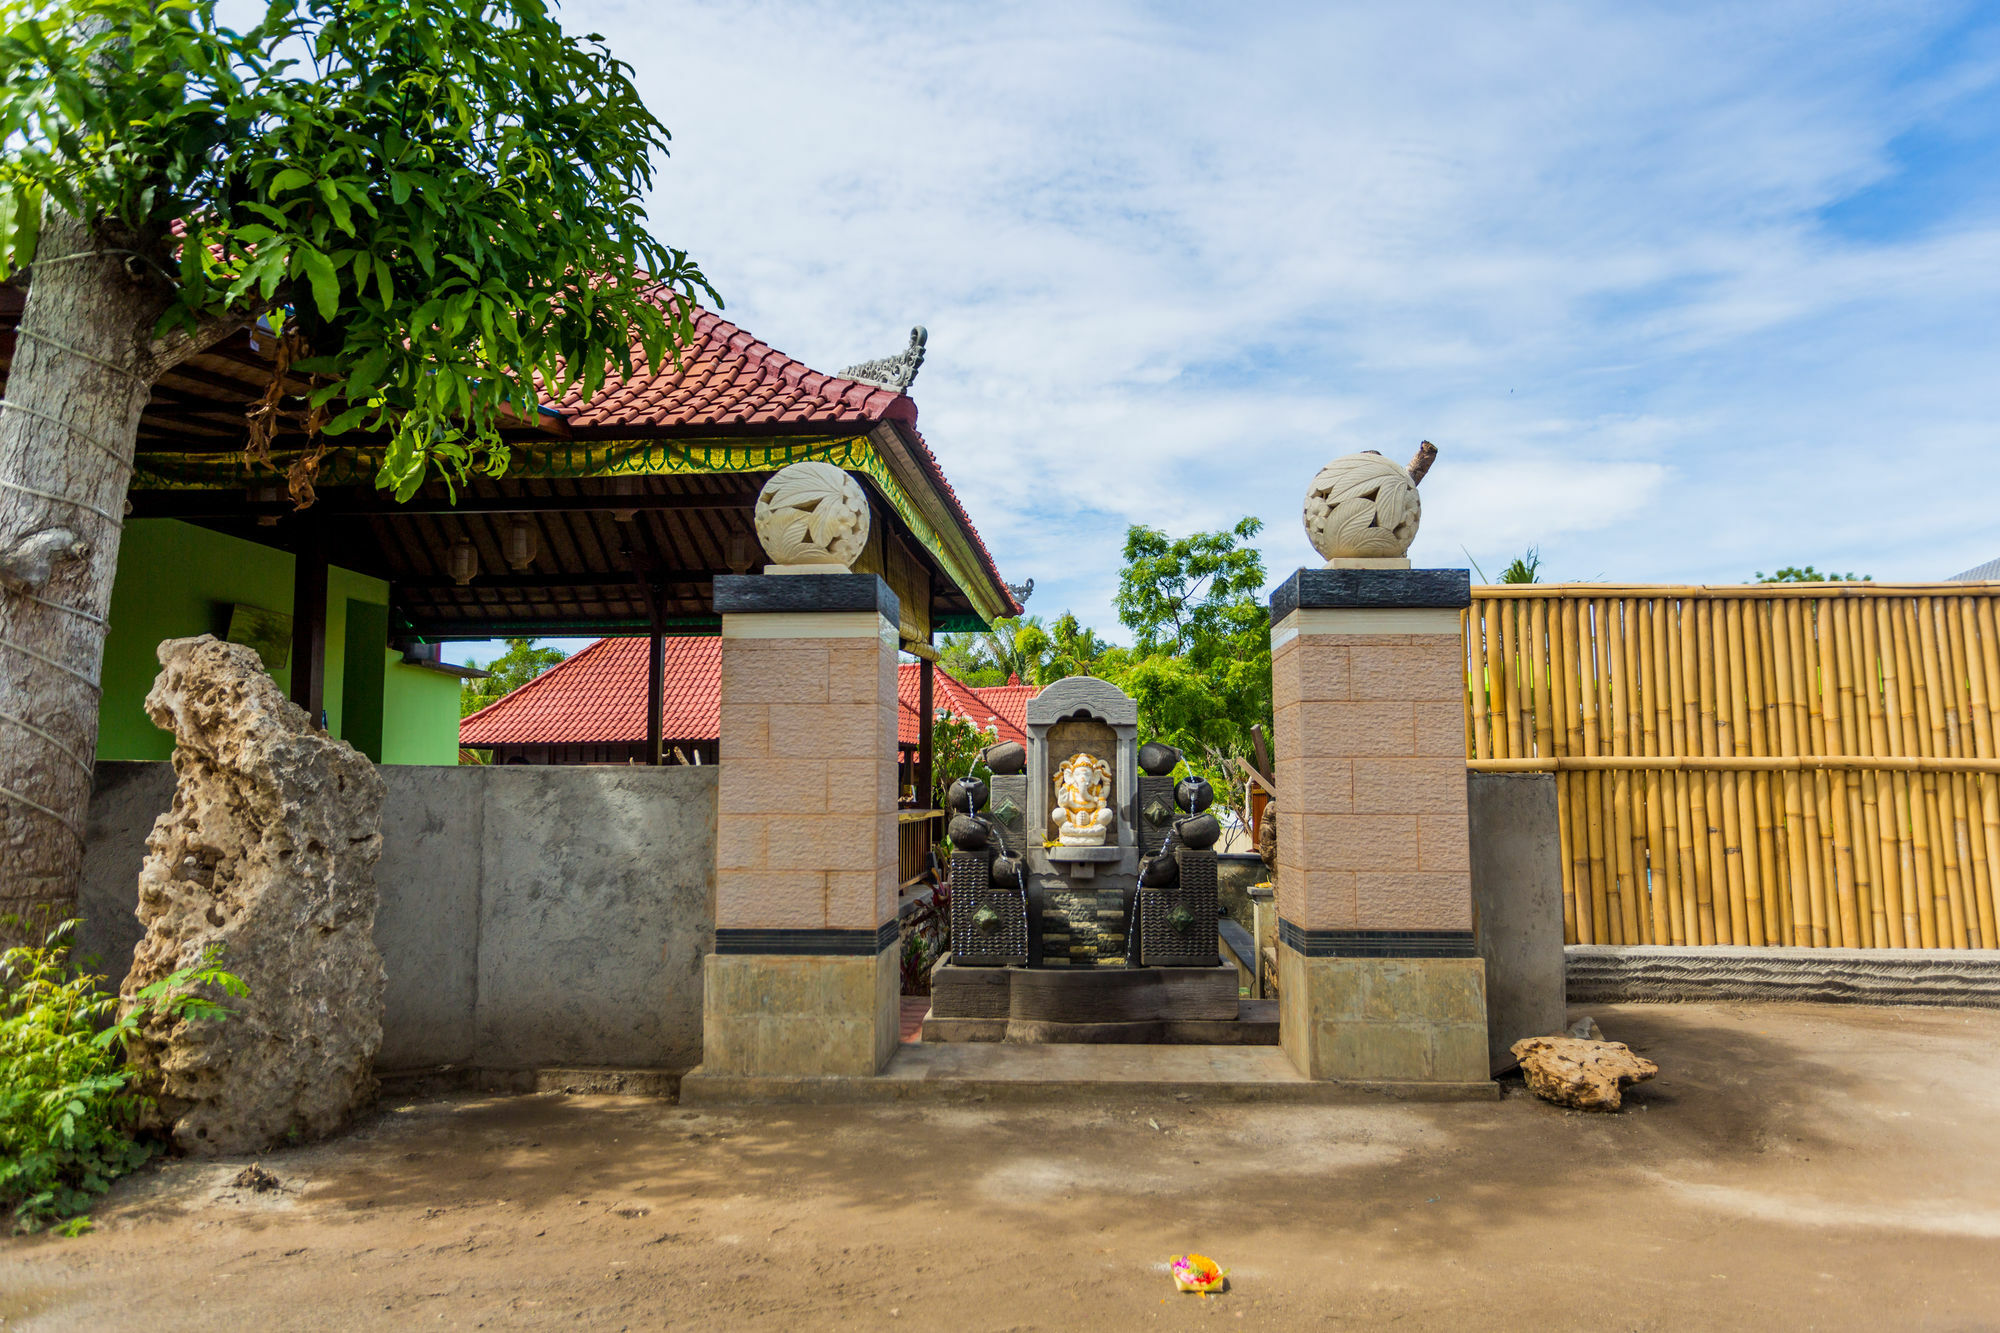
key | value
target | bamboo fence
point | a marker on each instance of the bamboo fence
(1783, 764)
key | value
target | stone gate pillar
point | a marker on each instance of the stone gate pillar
(804, 979)
(1378, 977)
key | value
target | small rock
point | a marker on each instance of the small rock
(1589, 1075)
(255, 1177)
(1586, 1029)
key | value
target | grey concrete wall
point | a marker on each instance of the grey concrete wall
(529, 917)
(1517, 904)
(1658, 973)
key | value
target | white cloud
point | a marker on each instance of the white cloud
(1173, 259)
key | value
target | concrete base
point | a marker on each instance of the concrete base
(1093, 996)
(1255, 1024)
(1405, 1019)
(1610, 974)
(790, 1016)
(1074, 1076)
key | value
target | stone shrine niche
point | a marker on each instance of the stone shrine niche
(1071, 736)
(1083, 715)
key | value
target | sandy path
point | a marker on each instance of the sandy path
(1794, 1167)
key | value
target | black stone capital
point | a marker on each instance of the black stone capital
(794, 594)
(1367, 589)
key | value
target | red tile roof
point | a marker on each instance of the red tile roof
(599, 697)
(976, 704)
(727, 377)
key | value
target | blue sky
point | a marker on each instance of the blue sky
(1681, 291)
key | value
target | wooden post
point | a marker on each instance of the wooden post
(656, 694)
(309, 615)
(926, 762)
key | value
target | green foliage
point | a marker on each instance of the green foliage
(1192, 596)
(445, 195)
(1526, 568)
(67, 1110)
(1794, 574)
(1013, 647)
(521, 663)
(955, 747)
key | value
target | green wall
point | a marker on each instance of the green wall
(176, 579)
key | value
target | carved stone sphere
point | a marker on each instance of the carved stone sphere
(1194, 795)
(812, 514)
(1362, 505)
(966, 797)
(968, 834)
(1006, 757)
(1157, 760)
(1200, 832)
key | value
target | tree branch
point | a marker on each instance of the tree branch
(163, 354)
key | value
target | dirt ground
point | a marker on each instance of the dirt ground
(1793, 1167)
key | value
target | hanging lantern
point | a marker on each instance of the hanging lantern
(625, 486)
(462, 563)
(520, 544)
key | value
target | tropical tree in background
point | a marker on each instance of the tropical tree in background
(441, 207)
(1794, 574)
(521, 663)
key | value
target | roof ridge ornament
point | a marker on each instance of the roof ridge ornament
(896, 372)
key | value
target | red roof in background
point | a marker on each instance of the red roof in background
(975, 703)
(727, 377)
(599, 697)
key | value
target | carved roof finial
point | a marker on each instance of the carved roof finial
(896, 372)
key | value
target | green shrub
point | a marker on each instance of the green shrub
(68, 1114)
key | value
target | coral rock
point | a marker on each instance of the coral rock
(269, 851)
(1589, 1075)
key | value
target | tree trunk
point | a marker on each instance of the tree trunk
(84, 361)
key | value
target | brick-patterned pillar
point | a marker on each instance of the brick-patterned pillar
(1378, 977)
(804, 980)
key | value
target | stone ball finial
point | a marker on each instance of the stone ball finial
(812, 514)
(1362, 506)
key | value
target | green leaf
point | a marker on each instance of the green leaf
(289, 179)
(325, 285)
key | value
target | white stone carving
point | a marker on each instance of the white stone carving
(1083, 801)
(1362, 505)
(812, 514)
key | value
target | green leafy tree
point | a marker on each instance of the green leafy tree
(1795, 574)
(521, 663)
(1200, 670)
(437, 206)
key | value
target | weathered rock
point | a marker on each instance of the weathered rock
(1589, 1075)
(269, 851)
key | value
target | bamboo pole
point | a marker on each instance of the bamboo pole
(1619, 660)
(1820, 904)
(1576, 791)
(1814, 592)
(1716, 726)
(1798, 763)
(1600, 888)
(1984, 675)
(1541, 649)
(1965, 788)
(1944, 829)
(1803, 925)
(1700, 822)
(1840, 739)
(1746, 796)
(1867, 814)
(1511, 660)
(1777, 928)
(1481, 674)
(1903, 734)
(1880, 791)
(1467, 619)
(1663, 811)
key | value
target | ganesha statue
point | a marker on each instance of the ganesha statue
(1083, 801)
